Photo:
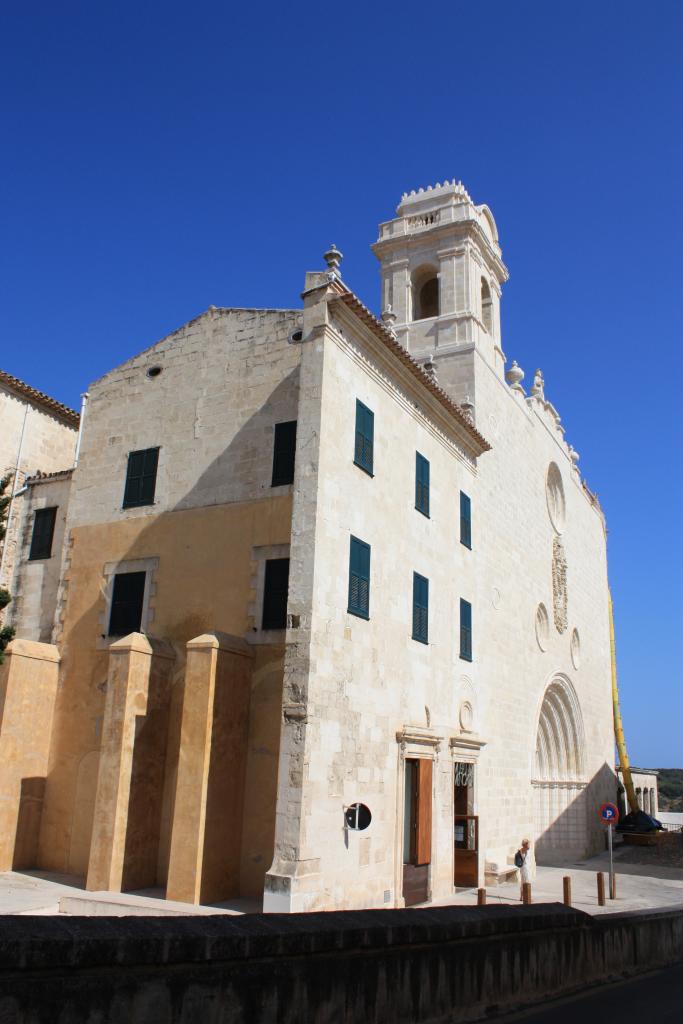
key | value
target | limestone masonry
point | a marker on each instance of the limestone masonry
(321, 614)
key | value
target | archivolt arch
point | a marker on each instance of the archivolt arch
(560, 804)
(559, 734)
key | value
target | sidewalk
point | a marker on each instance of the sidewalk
(45, 892)
(639, 887)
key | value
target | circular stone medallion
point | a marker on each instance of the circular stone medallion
(542, 627)
(554, 495)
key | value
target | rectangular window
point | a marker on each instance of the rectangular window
(126, 603)
(365, 434)
(421, 484)
(465, 520)
(141, 478)
(420, 608)
(284, 447)
(275, 590)
(359, 578)
(465, 630)
(43, 532)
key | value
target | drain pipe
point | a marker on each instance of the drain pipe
(84, 401)
(15, 492)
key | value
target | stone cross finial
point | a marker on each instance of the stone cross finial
(333, 259)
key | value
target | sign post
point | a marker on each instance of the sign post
(609, 815)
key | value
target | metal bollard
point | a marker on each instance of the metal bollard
(481, 897)
(526, 892)
(601, 889)
(567, 891)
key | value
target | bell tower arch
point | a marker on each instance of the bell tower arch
(442, 272)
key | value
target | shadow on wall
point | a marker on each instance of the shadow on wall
(566, 817)
(28, 823)
(207, 550)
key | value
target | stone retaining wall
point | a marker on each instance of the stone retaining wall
(366, 967)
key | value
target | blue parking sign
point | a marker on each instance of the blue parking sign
(609, 814)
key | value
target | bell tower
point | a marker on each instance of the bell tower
(442, 273)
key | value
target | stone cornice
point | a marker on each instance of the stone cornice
(466, 742)
(462, 230)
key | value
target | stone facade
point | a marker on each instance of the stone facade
(463, 722)
(38, 435)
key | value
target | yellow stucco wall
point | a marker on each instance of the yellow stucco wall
(204, 581)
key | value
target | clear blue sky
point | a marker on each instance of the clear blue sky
(158, 158)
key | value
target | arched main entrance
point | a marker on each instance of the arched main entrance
(559, 776)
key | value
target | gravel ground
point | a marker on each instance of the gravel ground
(667, 853)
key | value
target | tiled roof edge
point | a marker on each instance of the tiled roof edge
(351, 301)
(62, 411)
(41, 478)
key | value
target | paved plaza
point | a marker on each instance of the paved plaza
(639, 887)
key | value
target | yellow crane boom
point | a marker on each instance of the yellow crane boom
(618, 726)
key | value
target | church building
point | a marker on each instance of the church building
(329, 606)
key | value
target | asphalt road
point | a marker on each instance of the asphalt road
(653, 997)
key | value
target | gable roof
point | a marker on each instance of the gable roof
(62, 412)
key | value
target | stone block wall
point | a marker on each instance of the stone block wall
(35, 585)
(353, 687)
(434, 966)
(32, 439)
(226, 379)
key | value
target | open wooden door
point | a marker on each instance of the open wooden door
(465, 828)
(417, 831)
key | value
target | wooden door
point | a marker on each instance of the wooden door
(417, 842)
(465, 829)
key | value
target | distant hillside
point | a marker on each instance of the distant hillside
(670, 789)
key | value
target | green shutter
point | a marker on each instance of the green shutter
(465, 630)
(126, 603)
(420, 608)
(421, 484)
(275, 593)
(365, 436)
(284, 448)
(465, 520)
(43, 532)
(359, 578)
(141, 477)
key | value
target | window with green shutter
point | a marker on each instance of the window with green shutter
(284, 447)
(126, 603)
(420, 608)
(141, 477)
(359, 578)
(365, 434)
(465, 520)
(275, 593)
(43, 532)
(465, 630)
(421, 484)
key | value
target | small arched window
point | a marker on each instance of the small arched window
(486, 306)
(425, 293)
(429, 299)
